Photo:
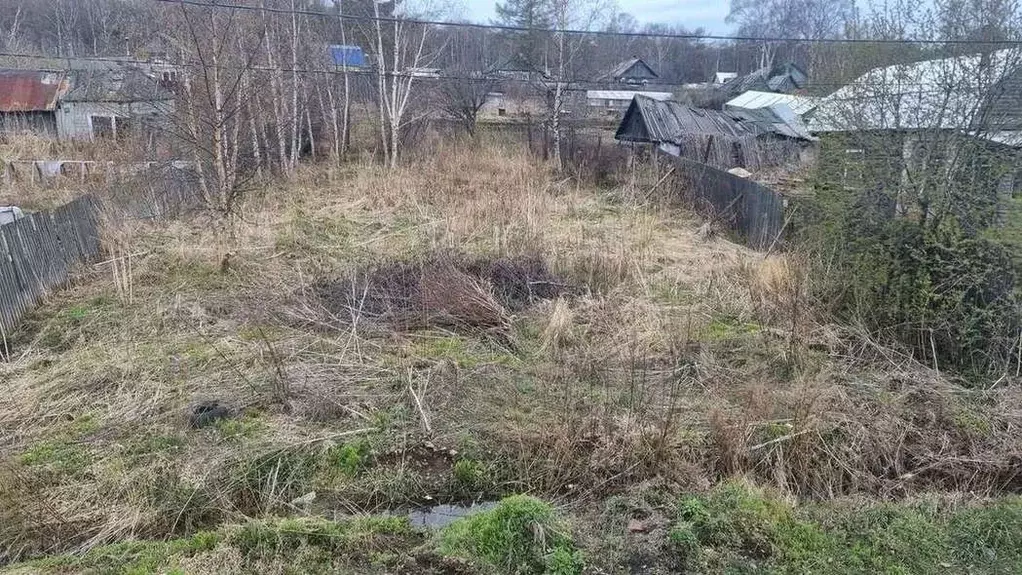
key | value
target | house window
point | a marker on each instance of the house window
(853, 171)
(501, 112)
(102, 126)
(124, 127)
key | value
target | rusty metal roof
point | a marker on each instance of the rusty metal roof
(31, 90)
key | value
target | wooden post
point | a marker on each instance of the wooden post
(706, 152)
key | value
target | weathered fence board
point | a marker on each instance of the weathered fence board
(753, 211)
(38, 252)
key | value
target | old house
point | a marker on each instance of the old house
(944, 127)
(617, 101)
(112, 103)
(722, 77)
(98, 100)
(519, 92)
(768, 137)
(29, 100)
(783, 78)
(633, 72)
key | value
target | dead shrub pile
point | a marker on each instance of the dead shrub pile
(446, 290)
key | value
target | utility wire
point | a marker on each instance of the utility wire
(567, 31)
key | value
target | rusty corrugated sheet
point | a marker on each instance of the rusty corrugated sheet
(31, 90)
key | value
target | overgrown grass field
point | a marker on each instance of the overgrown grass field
(639, 394)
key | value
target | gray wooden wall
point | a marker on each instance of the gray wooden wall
(754, 212)
(38, 252)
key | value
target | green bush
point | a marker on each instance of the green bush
(932, 286)
(520, 535)
(349, 458)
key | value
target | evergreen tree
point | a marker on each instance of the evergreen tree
(528, 49)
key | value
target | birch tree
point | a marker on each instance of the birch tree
(400, 51)
(575, 15)
(342, 139)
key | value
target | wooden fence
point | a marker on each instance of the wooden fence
(37, 253)
(753, 211)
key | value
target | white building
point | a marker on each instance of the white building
(619, 100)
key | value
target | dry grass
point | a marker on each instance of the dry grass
(666, 357)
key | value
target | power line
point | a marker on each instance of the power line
(567, 31)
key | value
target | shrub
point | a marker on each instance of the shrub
(442, 290)
(933, 287)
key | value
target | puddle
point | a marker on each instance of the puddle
(443, 515)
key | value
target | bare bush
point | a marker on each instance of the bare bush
(446, 290)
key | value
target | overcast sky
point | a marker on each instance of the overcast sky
(708, 14)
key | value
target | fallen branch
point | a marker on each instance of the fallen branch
(778, 440)
(418, 405)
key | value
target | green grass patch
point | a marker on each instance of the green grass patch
(127, 558)
(672, 292)
(308, 234)
(155, 444)
(463, 352)
(63, 458)
(520, 535)
(305, 545)
(313, 545)
(972, 422)
(348, 459)
(83, 321)
(738, 528)
(248, 426)
(724, 328)
(282, 536)
(194, 272)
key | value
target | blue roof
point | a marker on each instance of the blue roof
(352, 56)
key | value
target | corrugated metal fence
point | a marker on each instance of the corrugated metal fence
(37, 253)
(753, 211)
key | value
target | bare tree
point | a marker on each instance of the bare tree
(216, 52)
(463, 94)
(65, 22)
(790, 19)
(466, 84)
(342, 140)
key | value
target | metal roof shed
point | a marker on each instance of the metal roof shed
(28, 100)
(961, 93)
